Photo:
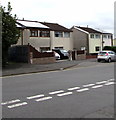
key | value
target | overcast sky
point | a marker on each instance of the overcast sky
(94, 13)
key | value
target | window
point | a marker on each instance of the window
(83, 48)
(44, 33)
(97, 36)
(97, 48)
(66, 34)
(105, 36)
(34, 33)
(109, 36)
(92, 36)
(58, 34)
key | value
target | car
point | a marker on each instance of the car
(63, 53)
(57, 56)
(106, 55)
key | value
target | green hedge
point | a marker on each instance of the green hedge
(113, 48)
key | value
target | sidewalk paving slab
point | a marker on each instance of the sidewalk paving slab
(24, 68)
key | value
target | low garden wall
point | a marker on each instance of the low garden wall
(44, 60)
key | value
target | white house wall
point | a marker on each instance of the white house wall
(114, 42)
(66, 43)
(107, 42)
(79, 39)
(51, 41)
(93, 43)
(38, 42)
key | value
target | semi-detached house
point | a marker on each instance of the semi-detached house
(44, 36)
(89, 39)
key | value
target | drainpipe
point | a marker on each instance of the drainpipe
(22, 37)
(102, 41)
(88, 44)
(22, 40)
(111, 40)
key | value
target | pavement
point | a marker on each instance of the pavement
(24, 68)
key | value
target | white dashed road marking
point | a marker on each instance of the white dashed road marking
(74, 88)
(110, 83)
(36, 96)
(9, 102)
(63, 94)
(40, 97)
(97, 86)
(111, 79)
(43, 99)
(56, 92)
(89, 85)
(84, 89)
(101, 82)
(17, 105)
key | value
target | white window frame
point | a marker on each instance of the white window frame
(97, 36)
(58, 34)
(92, 36)
(66, 34)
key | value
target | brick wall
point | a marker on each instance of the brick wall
(45, 60)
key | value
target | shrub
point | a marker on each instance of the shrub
(113, 48)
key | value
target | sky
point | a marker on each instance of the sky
(97, 14)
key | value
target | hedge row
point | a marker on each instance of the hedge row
(113, 48)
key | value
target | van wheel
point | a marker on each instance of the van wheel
(109, 60)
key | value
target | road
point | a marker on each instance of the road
(74, 93)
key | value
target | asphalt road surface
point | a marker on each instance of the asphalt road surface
(75, 93)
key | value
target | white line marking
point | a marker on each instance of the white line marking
(9, 102)
(84, 89)
(63, 94)
(110, 83)
(101, 82)
(74, 88)
(36, 96)
(42, 99)
(111, 79)
(17, 105)
(89, 85)
(56, 92)
(97, 86)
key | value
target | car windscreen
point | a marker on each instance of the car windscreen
(63, 51)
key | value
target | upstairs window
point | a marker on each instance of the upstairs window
(58, 34)
(44, 33)
(105, 36)
(33, 33)
(66, 34)
(97, 36)
(109, 36)
(92, 36)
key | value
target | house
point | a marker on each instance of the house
(44, 36)
(89, 39)
(114, 42)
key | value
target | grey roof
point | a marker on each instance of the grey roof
(56, 27)
(90, 30)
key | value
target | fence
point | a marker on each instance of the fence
(18, 54)
(29, 54)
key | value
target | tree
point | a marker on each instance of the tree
(10, 32)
